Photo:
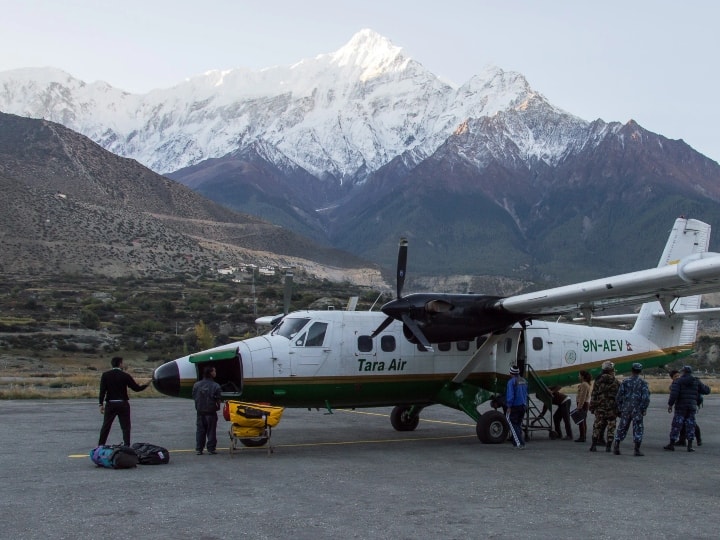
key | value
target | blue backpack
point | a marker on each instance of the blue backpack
(114, 457)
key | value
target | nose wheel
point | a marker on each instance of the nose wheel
(405, 417)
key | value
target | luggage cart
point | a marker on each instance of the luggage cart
(251, 424)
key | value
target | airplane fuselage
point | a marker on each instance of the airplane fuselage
(328, 359)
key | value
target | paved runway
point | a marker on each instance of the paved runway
(348, 475)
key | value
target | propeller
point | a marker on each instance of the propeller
(398, 309)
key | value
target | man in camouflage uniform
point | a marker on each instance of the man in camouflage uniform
(632, 401)
(602, 405)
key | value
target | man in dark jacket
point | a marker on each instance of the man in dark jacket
(114, 399)
(684, 395)
(206, 394)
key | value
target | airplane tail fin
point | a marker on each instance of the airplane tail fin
(656, 320)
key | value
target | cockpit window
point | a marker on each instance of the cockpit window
(289, 328)
(316, 334)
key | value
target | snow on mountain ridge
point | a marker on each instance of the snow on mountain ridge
(342, 115)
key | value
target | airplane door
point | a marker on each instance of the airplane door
(539, 348)
(310, 349)
(506, 352)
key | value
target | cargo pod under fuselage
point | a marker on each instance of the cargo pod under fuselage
(228, 369)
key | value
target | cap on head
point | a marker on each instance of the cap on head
(637, 367)
(686, 369)
(607, 365)
(514, 371)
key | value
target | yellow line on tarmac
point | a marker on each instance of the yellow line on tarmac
(376, 441)
(465, 424)
(325, 443)
(421, 419)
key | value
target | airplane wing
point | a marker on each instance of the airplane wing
(696, 274)
(685, 269)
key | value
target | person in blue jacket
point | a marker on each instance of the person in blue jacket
(516, 398)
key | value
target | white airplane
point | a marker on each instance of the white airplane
(352, 359)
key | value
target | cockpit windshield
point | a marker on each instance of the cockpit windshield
(289, 327)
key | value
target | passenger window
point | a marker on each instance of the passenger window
(387, 343)
(364, 344)
(299, 342)
(463, 346)
(444, 346)
(508, 345)
(316, 335)
(537, 344)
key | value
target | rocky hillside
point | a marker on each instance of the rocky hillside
(70, 206)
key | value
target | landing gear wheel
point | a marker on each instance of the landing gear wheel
(492, 428)
(405, 418)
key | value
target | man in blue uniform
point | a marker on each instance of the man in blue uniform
(114, 399)
(516, 398)
(632, 400)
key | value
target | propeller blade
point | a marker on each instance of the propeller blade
(382, 327)
(401, 265)
(415, 329)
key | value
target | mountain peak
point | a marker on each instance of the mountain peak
(371, 52)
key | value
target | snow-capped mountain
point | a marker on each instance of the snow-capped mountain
(341, 115)
(358, 147)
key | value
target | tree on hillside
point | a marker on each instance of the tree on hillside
(204, 336)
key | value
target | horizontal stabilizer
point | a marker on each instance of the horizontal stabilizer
(693, 314)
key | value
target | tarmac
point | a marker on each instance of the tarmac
(348, 475)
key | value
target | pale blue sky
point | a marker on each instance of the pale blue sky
(651, 60)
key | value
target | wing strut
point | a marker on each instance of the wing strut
(475, 359)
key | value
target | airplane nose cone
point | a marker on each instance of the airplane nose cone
(166, 379)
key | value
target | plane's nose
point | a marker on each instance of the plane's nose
(166, 379)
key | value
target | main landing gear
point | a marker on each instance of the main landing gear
(492, 428)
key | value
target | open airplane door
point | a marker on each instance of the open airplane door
(228, 369)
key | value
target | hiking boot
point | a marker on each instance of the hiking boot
(593, 447)
(670, 446)
(689, 447)
(637, 450)
(608, 445)
(616, 448)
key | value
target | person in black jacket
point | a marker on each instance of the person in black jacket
(682, 441)
(207, 395)
(114, 399)
(684, 395)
